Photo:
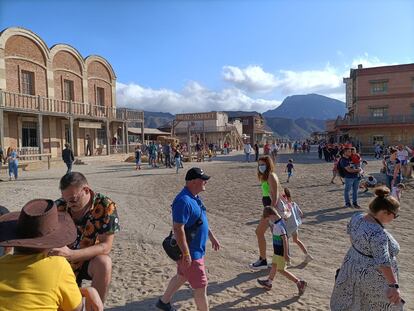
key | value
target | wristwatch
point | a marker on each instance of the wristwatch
(395, 285)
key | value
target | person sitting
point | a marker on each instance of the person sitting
(97, 220)
(368, 182)
(30, 279)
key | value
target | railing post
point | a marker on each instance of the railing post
(1, 99)
(40, 132)
(39, 103)
(70, 107)
(1, 128)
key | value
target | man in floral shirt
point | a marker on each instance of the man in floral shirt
(96, 219)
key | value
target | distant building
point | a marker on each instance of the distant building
(380, 103)
(52, 96)
(207, 127)
(254, 127)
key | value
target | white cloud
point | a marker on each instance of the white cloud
(368, 61)
(194, 98)
(255, 79)
(251, 78)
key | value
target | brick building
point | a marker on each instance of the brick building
(380, 103)
(51, 96)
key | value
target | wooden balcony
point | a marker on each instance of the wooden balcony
(38, 104)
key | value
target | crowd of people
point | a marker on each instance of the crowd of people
(52, 246)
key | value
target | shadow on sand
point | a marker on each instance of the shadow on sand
(213, 288)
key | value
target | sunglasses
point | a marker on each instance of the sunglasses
(395, 215)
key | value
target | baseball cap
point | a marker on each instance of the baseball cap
(195, 173)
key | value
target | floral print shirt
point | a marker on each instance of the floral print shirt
(102, 218)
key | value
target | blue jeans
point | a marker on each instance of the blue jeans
(177, 164)
(13, 168)
(247, 157)
(351, 183)
(69, 166)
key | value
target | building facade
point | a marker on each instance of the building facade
(380, 103)
(254, 127)
(52, 96)
(208, 128)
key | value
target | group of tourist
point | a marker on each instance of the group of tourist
(52, 246)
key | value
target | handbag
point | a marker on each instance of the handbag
(170, 244)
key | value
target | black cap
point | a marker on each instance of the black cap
(195, 173)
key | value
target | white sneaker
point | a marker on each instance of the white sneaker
(259, 264)
(308, 258)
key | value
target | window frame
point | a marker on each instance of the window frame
(23, 83)
(376, 88)
(71, 90)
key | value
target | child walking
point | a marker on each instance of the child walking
(281, 252)
(177, 158)
(289, 169)
(138, 157)
(293, 223)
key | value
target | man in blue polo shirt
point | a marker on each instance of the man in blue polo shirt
(188, 210)
(351, 178)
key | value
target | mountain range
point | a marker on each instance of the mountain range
(296, 118)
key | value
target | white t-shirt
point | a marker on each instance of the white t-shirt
(294, 221)
(247, 148)
(402, 155)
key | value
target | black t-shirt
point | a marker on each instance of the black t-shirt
(345, 162)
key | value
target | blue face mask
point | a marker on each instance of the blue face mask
(262, 168)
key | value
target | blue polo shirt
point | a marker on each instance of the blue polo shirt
(186, 209)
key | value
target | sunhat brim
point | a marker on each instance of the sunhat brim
(65, 233)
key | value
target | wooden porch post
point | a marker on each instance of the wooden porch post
(2, 128)
(108, 138)
(40, 132)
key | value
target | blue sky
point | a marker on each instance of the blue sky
(215, 55)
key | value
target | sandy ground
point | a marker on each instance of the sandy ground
(233, 199)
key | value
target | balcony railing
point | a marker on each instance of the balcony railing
(210, 129)
(396, 119)
(30, 103)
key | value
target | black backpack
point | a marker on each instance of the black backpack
(340, 169)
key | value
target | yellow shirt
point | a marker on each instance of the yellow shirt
(37, 282)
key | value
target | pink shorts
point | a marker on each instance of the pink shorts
(195, 274)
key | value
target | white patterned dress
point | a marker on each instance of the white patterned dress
(360, 286)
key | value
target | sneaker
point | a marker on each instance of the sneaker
(347, 205)
(265, 283)
(308, 258)
(164, 306)
(301, 287)
(356, 205)
(259, 265)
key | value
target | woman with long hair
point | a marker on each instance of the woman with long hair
(368, 277)
(270, 197)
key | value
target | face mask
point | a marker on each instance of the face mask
(262, 168)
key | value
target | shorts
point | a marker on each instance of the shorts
(83, 273)
(195, 275)
(280, 262)
(266, 201)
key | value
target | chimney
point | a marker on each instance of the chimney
(360, 66)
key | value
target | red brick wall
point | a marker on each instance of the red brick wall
(66, 60)
(24, 47)
(98, 70)
(12, 76)
(399, 97)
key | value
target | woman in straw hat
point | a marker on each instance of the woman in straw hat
(30, 279)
